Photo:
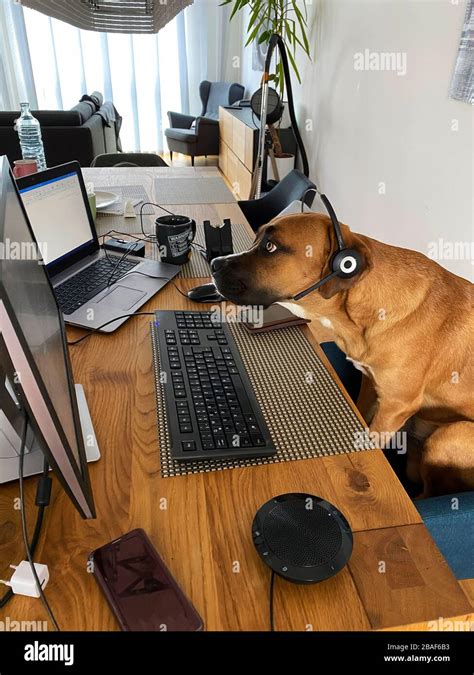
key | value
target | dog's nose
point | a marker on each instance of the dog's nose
(217, 264)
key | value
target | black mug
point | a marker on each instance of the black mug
(174, 235)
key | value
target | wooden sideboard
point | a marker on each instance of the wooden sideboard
(238, 147)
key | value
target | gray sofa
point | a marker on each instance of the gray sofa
(89, 129)
(197, 136)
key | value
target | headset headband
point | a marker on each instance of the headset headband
(340, 242)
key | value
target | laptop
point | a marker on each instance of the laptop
(91, 287)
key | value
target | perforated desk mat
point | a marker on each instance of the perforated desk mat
(116, 221)
(306, 412)
(195, 190)
(198, 266)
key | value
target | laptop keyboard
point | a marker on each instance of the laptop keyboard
(84, 285)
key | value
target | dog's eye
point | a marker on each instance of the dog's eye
(270, 247)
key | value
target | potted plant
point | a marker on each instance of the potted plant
(288, 18)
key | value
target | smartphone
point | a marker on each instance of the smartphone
(139, 587)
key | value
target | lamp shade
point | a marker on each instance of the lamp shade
(112, 16)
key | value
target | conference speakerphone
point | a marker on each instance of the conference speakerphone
(212, 411)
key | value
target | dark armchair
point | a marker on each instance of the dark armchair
(196, 136)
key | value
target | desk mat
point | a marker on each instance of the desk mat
(306, 412)
(196, 190)
(198, 266)
(127, 193)
(116, 221)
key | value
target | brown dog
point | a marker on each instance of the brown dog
(404, 320)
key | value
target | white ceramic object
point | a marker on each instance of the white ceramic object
(105, 199)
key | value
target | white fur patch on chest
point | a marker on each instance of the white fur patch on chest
(327, 323)
(363, 367)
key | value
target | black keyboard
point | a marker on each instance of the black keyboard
(211, 407)
(90, 281)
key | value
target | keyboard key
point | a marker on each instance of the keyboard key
(188, 446)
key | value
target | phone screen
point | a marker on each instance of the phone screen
(140, 589)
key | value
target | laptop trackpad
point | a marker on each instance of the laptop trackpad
(122, 297)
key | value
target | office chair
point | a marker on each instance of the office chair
(293, 186)
(110, 159)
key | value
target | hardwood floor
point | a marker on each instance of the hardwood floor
(180, 160)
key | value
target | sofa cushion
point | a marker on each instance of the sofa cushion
(185, 135)
(47, 118)
(85, 109)
(450, 521)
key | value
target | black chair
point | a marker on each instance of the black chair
(196, 136)
(110, 159)
(292, 187)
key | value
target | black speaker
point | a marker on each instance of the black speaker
(302, 538)
(274, 105)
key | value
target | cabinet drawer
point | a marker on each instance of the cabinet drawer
(239, 176)
(225, 126)
(223, 157)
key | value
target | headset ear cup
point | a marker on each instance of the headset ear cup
(346, 263)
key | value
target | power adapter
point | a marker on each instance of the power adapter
(23, 581)
(121, 246)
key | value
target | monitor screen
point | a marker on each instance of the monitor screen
(30, 304)
(58, 217)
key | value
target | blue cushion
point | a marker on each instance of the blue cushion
(450, 521)
(218, 95)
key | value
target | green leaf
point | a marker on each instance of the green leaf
(298, 13)
(303, 24)
(295, 67)
(254, 14)
(238, 5)
(264, 37)
(252, 35)
(255, 30)
(289, 32)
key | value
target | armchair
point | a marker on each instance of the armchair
(196, 136)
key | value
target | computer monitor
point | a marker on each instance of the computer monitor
(35, 368)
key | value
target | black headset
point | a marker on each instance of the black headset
(345, 263)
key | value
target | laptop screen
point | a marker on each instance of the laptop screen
(58, 217)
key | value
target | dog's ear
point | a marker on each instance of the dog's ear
(351, 240)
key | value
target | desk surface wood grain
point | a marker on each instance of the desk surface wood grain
(201, 524)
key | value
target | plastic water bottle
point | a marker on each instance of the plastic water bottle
(31, 141)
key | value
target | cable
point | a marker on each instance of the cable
(272, 584)
(185, 295)
(24, 529)
(124, 316)
(125, 234)
(122, 258)
(37, 531)
(144, 274)
(151, 236)
(94, 330)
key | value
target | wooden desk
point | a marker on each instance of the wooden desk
(201, 524)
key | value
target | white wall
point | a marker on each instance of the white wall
(372, 127)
